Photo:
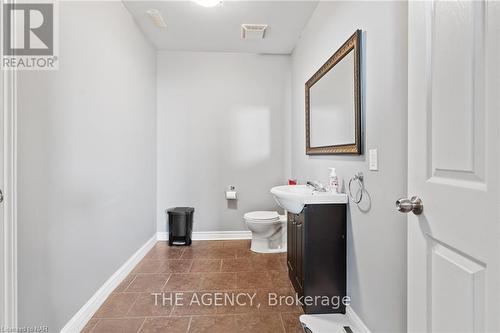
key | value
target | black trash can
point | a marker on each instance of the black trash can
(180, 225)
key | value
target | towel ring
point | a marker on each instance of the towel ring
(359, 179)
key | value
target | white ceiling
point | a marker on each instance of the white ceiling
(191, 27)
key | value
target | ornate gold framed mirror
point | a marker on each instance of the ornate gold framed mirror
(333, 103)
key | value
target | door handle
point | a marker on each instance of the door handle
(414, 204)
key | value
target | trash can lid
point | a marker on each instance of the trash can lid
(180, 210)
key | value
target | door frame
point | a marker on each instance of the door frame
(8, 317)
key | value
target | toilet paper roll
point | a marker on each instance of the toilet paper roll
(231, 195)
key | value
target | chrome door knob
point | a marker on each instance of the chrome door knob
(414, 204)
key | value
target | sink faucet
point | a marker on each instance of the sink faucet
(317, 186)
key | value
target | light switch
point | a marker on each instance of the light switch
(373, 155)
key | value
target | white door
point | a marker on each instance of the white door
(2, 225)
(453, 149)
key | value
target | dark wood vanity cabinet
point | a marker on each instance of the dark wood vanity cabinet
(316, 256)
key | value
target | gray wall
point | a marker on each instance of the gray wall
(86, 157)
(377, 233)
(220, 122)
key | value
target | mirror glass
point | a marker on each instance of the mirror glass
(333, 103)
(332, 106)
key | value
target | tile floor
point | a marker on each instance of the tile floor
(202, 274)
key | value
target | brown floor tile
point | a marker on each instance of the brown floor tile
(161, 251)
(148, 282)
(236, 265)
(90, 325)
(206, 265)
(195, 304)
(218, 281)
(284, 261)
(259, 323)
(208, 253)
(183, 282)
(206, 244)
(148, 305)
(280, 279)
(148, 266)
(205, 269)
(162, 324)
(117, 305)
(292, 323)
(219, 324)
(243, 244)
(253, 280)
(123, 325)
(176, 266)
(267, 263)
(243, 253)
(125, 283)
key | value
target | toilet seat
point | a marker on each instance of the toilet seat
(262, 216)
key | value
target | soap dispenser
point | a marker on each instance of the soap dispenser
(333, 181)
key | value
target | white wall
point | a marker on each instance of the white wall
(87, 169)
(377, 233)
(220, 123)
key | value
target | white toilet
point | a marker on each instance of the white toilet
(268, 231)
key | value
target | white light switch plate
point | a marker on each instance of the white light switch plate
(373, 155)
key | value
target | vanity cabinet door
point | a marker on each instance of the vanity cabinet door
(291, 244)
(299, 250)
(295, 251)
(316, 254)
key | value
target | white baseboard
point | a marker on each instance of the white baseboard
(212, 235)
(356, 321)
(81, 318)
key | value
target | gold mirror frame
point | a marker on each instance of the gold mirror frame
(352, 44)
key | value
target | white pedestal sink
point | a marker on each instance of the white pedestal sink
(293, 198)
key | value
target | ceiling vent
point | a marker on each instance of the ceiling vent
(208, 3)
(253, 31)
(156, 17)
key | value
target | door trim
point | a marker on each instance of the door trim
(9, 114)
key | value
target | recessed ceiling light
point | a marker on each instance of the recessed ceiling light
(208, 3)
(158, 20)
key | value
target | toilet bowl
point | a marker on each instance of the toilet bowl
(268, 231)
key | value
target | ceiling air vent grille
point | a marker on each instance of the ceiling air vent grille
(253, 31)
(157, 18)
